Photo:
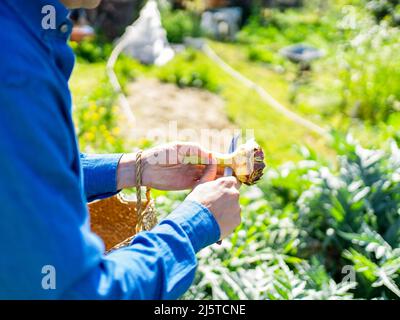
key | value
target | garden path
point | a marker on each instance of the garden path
(167, 112)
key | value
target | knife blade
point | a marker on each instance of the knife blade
(229, 171)
(232, 148)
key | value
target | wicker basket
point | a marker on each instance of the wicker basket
(116, 220)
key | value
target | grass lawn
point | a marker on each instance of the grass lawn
(274, 131)
(318, 100)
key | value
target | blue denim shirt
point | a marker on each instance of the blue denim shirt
(45, 184)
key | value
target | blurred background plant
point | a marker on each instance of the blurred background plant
(187, 71)
(180, 24)
(96, 123)
(366, 62)
(92, 50)
(388, 10)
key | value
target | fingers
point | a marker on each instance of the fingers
(200, 169)
(230, 182)
(209, 174)
(232, 186)
(238, 184)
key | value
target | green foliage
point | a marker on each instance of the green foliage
(388, 10)
(126, 69)
(261, 54)
(92, 50)
(360, 75)
(186, 71)
(369, 69)
(180, 24)
(273, 27)
(305, 224)
(96, 121)
(356, 215)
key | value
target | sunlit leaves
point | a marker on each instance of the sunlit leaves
(295, 245)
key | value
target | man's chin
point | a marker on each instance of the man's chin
(87, 4)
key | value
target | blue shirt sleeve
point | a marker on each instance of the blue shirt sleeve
(47, 246)
(100, 175)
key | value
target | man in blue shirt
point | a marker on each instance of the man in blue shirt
(45, 182)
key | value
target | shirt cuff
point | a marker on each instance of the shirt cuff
(100, 174)
(198, 223)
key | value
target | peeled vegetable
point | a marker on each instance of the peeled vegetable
(247, 162)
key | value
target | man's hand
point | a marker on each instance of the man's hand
(221, 197)
(166, 167)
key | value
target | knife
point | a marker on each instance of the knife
(229, 171)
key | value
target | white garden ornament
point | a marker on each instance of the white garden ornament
(146, 39)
